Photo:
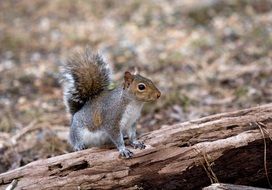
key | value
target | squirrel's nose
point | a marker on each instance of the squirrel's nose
(158, 95)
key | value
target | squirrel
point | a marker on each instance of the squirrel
(102, 115)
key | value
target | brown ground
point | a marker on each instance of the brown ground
(206, 58)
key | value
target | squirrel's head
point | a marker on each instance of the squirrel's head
(140, 87)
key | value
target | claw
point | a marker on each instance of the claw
(126, 153)
(138, 144)
(79, 147)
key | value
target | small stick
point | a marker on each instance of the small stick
(265, 166)
(12, 185)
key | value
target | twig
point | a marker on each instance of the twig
(208, 170)
(25, 130)
(265, 130)
(12, 185)
(265, 166)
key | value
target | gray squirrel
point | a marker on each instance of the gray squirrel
(101, 115)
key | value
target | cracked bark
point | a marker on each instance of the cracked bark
(227, 148)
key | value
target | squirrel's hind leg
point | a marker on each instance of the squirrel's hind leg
(76, 138)
(79, 146)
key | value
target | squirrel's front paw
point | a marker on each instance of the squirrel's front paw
(138, 144)
(124, 152)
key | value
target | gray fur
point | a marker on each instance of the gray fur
(117, 122)
(101, 116)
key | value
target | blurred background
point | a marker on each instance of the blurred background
(206, 57)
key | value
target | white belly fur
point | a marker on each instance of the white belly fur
(131, 114)
(94, 139)
(98, 138)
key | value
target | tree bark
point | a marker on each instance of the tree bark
(227, 147)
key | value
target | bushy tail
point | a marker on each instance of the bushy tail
(83, 76)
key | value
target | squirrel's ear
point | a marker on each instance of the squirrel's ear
(128, 79)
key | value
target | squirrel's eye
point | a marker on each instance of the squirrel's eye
(141, 86)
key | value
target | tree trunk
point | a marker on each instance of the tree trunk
(226, 147)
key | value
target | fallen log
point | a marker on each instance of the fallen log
(226, 148)
(223, 186)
